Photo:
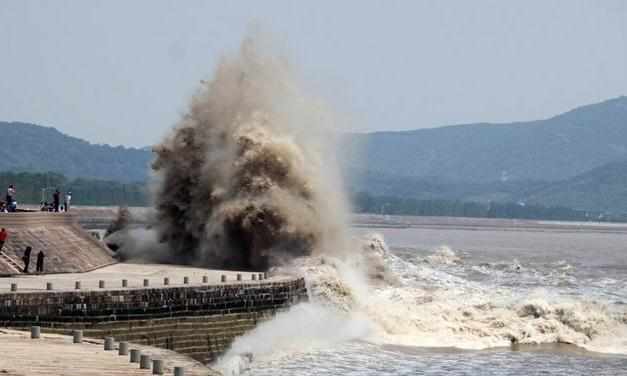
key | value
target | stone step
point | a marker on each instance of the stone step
(12, 264)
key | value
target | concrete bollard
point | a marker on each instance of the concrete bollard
(77, 285)
(48, 285)
(124, 283)
(13, 286)
(239, 277)
(108, 344)
(123, 348)
(253, 277)
(166, 281)
(157, 367)
(77, 336)
(223, 278)
(135, 354)
(179, 371)
(146, 283)
(185, 280)
(144, 361)
(205, 279)
(101, 284)
(35, 332)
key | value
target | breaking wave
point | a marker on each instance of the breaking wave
(395, 301)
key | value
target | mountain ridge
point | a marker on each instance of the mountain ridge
(481, 152)
(36, 148)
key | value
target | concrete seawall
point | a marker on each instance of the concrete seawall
(68, 248)
(199, 321)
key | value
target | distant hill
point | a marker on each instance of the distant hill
(436, 188)
(548, 150)
(603, 188)
(33, 148)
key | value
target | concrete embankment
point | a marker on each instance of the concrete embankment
(67, 247)
(200, 321)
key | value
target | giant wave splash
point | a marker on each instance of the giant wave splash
(244, 180)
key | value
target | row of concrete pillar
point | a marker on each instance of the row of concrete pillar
(166, 281)
(135, 355)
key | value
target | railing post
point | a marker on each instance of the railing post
(77, 336)
(108, 344)
(144, 361)
(157, 367)
(123, 348)
(135, 355)
(35, 332)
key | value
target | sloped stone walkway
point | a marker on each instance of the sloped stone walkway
(56, 355)
(67, 247)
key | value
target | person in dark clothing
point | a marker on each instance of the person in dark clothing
(10, 198)
(56, 198)
(40, 262)
(26, 258)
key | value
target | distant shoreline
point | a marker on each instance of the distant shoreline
(99, 216)
(466, 223)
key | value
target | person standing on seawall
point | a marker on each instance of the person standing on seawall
(40, 262)
(3, 237)
(56, 199)
(68, 198)
(10, 198)
(26, 258)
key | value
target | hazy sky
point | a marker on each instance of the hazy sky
(122, 72)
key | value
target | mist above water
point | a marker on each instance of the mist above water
(247, 179)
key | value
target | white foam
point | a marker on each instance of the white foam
(304, 328)
(409, 304)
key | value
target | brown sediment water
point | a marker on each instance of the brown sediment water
(246, 179)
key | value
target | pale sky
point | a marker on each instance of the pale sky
(122, 72)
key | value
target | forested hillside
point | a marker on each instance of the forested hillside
(548, 150)
(29, 147)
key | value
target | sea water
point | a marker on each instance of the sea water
(503, 299)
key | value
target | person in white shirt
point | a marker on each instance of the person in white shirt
(68, 198)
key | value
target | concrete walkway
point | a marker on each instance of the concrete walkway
(55, 355)
(133, 273)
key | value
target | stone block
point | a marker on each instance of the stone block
(135, 356)
(109, 343)
(144, 361)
